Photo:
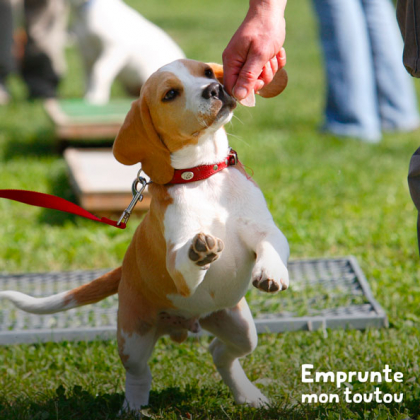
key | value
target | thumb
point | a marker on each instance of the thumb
(247, 77)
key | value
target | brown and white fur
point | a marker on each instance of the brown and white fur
(200, 245)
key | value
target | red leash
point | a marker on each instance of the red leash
(55, 203)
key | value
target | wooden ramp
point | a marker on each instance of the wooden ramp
(102, 184)
(75, 119)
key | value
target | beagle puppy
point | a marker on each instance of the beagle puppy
(207, 235)
(116, 42)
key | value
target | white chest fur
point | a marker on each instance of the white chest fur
(231, 208)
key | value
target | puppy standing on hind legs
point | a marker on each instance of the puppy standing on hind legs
(208, 233)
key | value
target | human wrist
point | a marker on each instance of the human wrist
(267, 6)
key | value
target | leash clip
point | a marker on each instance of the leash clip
(137, 196)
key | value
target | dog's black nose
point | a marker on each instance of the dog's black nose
(213, 90)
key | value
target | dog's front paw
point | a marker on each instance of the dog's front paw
(205, 249)
(268, 282)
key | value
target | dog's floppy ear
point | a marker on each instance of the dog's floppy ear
(137, 141)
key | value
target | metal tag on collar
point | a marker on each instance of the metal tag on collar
(233, 158)
(137, 196)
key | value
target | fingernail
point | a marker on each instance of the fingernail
(240, 92)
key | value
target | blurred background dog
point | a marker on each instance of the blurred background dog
(117, 42)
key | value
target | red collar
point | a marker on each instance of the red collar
(184, 176)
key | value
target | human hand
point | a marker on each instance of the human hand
(255, 53)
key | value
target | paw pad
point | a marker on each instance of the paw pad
(263, 282)
(205, 249)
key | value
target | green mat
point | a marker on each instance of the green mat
(79, 111)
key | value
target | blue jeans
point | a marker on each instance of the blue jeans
(368, 87)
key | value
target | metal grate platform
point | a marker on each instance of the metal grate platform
(323, 293)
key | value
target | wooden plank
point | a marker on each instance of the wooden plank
(75, 119)
(102, 184)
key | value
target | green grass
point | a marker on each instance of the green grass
(330, 197)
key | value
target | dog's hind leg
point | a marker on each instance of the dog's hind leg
(137, 335)
(236, 336)
(135, 351)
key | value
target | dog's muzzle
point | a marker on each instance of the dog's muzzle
(216, 91)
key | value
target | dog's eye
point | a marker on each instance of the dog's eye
(209, 73)
(170, 95)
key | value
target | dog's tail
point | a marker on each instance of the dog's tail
(92, 292)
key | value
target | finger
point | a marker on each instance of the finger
(270, 69)
(230, 75)
(274, 65)
(281, 58)
(248, 76)
(267, 73)
(259, 84)
(232, 66)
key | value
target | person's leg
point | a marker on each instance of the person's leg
(396, 95)
(414, 185)
(6, 43)
(43, 63)
(351, 108)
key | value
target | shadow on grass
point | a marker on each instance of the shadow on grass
(60, 187)
(38, 143)
(192, 403)
(43, 143)
(170, 403)
(78, 405)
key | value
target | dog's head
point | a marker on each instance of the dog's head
(178, 104)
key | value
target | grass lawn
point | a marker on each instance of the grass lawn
(329, 196)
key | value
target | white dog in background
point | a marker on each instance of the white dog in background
(117, 42)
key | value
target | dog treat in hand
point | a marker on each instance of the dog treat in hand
(274, 88)
(249, 100)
